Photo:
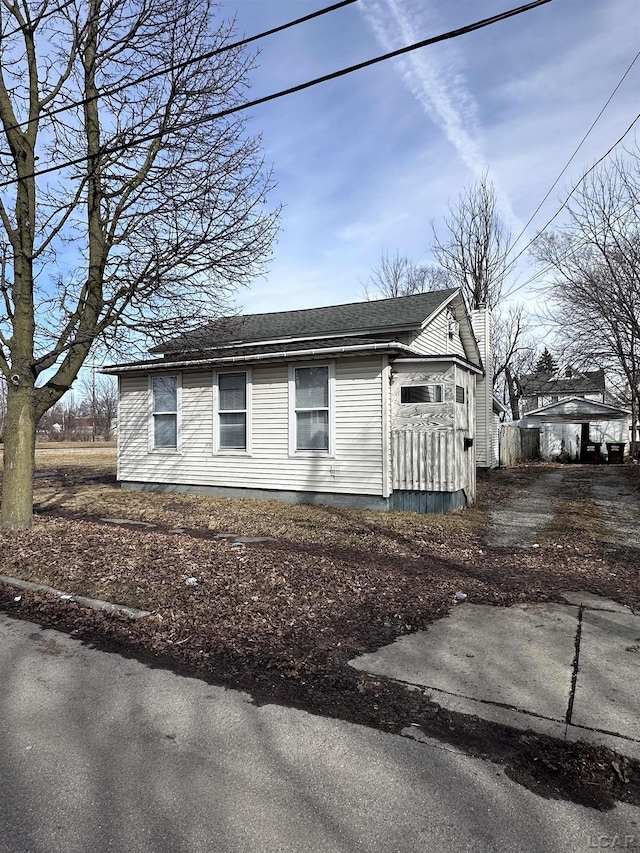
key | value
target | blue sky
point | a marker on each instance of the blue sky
(365, 163)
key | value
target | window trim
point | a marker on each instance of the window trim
(218, 450)
(178, 413)
(424, 385)
(331, 420)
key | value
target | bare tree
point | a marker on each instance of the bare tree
(147, 215)
(595, 260)
(398, 276)
(473, 257)
(514, 353)
(3, 405)
(60, 421)
(473, 250)
(100, 395)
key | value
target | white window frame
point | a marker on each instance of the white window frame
(232, 451)
(331, 420)
(178, 414)
(423, 385)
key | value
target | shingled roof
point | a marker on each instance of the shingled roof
(537, 384)
(353, 318)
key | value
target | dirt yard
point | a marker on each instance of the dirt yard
(281, 617)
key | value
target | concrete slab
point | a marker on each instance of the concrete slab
(514, 666)
(617, 743)
(249, 540)
(608, 685)
(520, 656)
(498, 714)
(594, 602)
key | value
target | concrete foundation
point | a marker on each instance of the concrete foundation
(399, 500)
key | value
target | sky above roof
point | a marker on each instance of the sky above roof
(364, 164)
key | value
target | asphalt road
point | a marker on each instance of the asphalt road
(99, 753)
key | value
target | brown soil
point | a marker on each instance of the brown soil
(281, 618)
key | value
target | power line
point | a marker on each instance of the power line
(564, 204)
(570, 160)
(179, 66)
(485, 22)
(579, 245)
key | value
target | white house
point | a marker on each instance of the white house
(383, 404)
(570, 409)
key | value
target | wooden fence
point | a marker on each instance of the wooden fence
(518, 445)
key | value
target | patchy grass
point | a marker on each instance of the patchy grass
(575, 521)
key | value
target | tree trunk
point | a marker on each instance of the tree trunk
(635, 415)
(514, 398)
(19, 459)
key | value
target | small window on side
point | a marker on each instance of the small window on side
(459, 394)
(421, 394)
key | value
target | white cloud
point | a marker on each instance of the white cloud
(437, 81)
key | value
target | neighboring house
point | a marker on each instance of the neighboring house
(541, 389)
(384, 404)
(570, 410)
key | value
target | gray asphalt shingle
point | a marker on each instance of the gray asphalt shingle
(404, 312)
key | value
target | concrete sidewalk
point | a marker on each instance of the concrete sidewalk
(569, 670)
(100, 753)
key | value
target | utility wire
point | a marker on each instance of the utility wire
(179, 66)
(485, 22)
(564, 204)
(570, 160)
(579, 245)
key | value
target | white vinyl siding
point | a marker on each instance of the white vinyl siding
(355, 467)
(440, 337)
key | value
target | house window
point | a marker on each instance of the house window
(233, 396)
(421, 394)
(311, 391)
(459, 394)
(164, 393)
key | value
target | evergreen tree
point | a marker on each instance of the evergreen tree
(546, 364)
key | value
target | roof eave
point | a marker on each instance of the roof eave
(452, 357)
(166, 366)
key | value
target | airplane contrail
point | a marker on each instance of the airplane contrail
(438, 85)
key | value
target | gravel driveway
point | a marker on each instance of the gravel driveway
(517, 523)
